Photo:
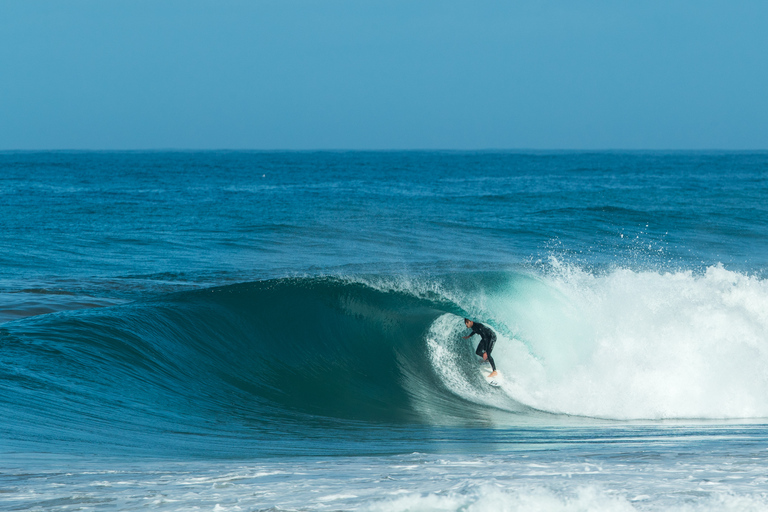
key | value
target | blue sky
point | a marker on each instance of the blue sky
(369, 74)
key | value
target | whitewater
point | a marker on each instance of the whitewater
(283, 331)
(613, 346)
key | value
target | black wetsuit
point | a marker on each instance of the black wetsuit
(487, 340)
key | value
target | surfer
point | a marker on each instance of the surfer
(487, 340)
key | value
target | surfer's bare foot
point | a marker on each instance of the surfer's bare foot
(494, 373)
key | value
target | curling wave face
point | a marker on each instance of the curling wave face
(261, 358)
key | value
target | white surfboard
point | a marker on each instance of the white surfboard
(493, 381)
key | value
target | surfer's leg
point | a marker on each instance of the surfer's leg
(480, 348)
(491, 343)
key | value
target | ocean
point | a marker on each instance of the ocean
(283, 331)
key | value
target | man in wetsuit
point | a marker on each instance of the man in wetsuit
(487, 340)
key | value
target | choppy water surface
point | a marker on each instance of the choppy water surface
(282, 331)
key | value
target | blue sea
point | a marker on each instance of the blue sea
(283, 331)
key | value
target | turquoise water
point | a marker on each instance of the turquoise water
(283, 331)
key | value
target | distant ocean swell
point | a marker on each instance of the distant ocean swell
(255, 358)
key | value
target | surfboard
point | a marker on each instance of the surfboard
(493, 381)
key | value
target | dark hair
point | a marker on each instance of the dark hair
(467, 320)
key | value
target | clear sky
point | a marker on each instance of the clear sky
(371, 74)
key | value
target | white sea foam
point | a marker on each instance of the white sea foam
(603, 470)
(542, 499)
(493, 498)
(610, 479)
(622, 345)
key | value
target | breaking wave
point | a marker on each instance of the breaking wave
(276, 356)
